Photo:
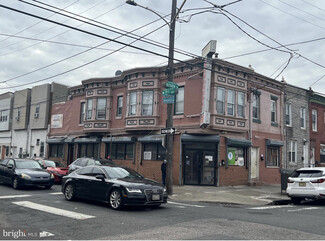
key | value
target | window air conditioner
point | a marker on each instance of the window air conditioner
(36, 115)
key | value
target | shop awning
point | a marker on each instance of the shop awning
(87, 140)
(55, 140)
(200, 138)
(152, 138)
(238, 142)
(270, 142)
(69, 139)
(119, 139)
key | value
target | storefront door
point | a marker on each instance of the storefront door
(199, 167)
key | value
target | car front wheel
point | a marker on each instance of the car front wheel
(69, 193)
(115, 199)
(15, 183)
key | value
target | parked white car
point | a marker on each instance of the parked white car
(306, 183)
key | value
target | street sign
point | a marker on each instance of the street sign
(171, 85)
(169, 99)
(169, 91)
(168, 131)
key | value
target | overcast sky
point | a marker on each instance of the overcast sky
(34, 51)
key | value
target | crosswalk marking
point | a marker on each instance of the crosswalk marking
(53, 210)
(269, 207)
(55, 193)
(303, 209)
(14, 196)
(183, 204)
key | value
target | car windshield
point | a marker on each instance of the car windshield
(307, 173)
(27, 164)
(121, 172)
(49, 163)
(103, 162)
(59, 164)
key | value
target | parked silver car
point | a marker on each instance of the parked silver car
(306, 183)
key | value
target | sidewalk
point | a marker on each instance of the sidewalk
(247, 195)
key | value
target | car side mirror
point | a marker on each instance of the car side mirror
(100, 176)
(10, 166)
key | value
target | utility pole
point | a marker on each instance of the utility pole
(169, 121)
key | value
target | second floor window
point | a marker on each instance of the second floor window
(18, 114)
(82, 112)
(147, 103)
(119, 106)
(314, 120)
(101, 109)
(303, 118)
(4, 115)
(231, 102)
(179, 102)
(37, 109)
(256, 106)
(293, 151)
(288, 114)
(133, 103)
(221, 101)
(241, 104)
(273, 111)
(89, 109)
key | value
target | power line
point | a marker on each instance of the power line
(313, 5)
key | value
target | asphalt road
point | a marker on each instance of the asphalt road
(49, 212)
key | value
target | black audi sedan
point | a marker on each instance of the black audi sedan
(117, 185)
(24, 172)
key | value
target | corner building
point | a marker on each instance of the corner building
(122, 117)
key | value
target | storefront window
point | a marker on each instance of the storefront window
(322, 153)
(88, 150)
(153, 151)
(272, 156)
(236, 156)
(56, 150)
(121, 151)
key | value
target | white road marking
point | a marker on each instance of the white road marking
(14, 196)
(183, 204)
(303, 209)
(53, 210)
(270, 207)
(56, 193)
(45, 234)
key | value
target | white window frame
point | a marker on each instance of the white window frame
(288, 112)
(89, 107)
(314, 120)
(4, 115)
(119, 108)
(256, 105)
(293, 149)
(240, 95)
(179, 101)
(273, 111)
(231, 102)
(101, 108)
(221, 95)
(132, 103)
(303, 117)
(147, 103)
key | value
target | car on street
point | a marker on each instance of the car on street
(24, 172)
(54, 167)
(87, 161)
(306, 183)
(119, 186)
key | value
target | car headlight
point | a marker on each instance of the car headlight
(52, 176)
(133, 190)
(25, 176)
(165, 190)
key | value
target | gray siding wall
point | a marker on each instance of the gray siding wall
(298, 98)
(22, 102)
(40, 96)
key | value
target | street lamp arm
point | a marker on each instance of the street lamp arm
(133, 3)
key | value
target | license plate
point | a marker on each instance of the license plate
(155, 197)
(302, 184)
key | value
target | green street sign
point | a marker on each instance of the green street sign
(169, 92)
(171, 85)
